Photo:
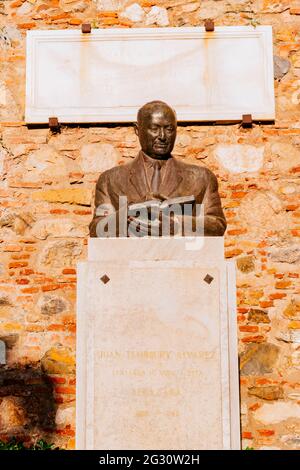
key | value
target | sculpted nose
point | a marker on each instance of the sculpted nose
(162, 134)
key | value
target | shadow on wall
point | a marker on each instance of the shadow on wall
(27, 405)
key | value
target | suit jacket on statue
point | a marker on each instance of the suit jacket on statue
(180, 179)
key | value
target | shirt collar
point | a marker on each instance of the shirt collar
(150, 162)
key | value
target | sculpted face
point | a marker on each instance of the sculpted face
(156, 130)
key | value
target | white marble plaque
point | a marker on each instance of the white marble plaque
(156, 347)
(107, 75)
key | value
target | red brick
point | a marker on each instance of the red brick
(12, 248)
(238, 194)
(66, 319)
(277, 295)
(109, 21)
(50, 287)
(71, 328)
(26, 272)
(266, 432)
(22, 256)
(292, 207)
(148, 3)
(283, 284)
(59, 16)
(247, 435)
(22, 281)
(295, 232)
(232, 253)
(16, 4)
(249, 328)
(296, 169)
(18, 264)
(75, 21)
(27, 240)
(240, 318)
(59, 211)
(57, 380)
(69, 271)
(253, 339)
(243, 310)
(295, 10)
(67, 390)
(43, 280)
(108, 13)
(263, 381)
(262, 252)
(55, 327)
(30, 290)
(30, 248)
(266, 303)
(78, 212)
(237, 231)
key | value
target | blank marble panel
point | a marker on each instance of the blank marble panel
(107, 75)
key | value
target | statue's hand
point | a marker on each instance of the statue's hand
(163, 225)
(159, 196)
(141, 227)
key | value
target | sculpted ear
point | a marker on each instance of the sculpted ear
(136, 128)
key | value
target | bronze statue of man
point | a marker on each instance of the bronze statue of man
(156, 174)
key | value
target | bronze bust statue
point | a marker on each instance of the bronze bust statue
(155, 175)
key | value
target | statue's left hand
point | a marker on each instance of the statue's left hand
(144, 228)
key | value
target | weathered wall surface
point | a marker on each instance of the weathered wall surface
(46, 197)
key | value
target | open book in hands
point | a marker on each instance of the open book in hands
(152, 210)
(161, 205)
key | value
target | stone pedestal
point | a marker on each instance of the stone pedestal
(157, 346)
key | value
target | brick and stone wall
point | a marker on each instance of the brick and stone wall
(46, 196)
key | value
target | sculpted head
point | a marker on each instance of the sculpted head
(156, 129)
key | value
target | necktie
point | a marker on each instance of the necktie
(155, 183)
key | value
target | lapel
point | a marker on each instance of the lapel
(171, 179)
(137, 177)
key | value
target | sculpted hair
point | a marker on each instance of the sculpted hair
(148, 109)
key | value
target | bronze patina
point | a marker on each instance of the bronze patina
(156, 174)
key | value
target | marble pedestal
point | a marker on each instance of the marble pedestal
(157, 363)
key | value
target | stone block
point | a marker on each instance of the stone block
(79, 196)
(259, 359)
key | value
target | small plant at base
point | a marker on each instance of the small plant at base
(14, 444)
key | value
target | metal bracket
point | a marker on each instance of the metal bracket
(2, 352)
(209, 25)
(54, 124)
(86, 28)
(247, 120)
